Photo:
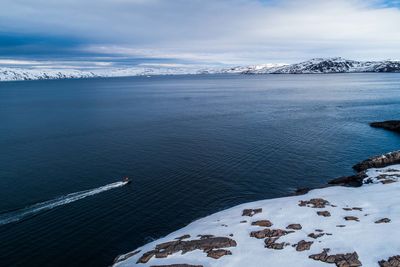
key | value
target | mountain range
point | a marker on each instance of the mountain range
(313, 66)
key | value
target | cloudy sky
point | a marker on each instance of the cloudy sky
(121, 33)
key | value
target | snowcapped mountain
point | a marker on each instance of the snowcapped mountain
(18, 74)
(330, 65)
(317, 65)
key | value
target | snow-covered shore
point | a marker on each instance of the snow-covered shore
(346, 226)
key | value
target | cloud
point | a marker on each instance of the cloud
(209, 31)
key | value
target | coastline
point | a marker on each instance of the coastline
(341, 223)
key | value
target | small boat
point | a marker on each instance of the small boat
(126, 180)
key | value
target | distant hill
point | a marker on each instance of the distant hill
(329, 65)
(313, 66)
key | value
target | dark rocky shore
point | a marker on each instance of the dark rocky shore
(393, 125)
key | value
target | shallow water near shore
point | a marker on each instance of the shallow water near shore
(193, 145)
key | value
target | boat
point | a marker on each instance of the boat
(126, 180)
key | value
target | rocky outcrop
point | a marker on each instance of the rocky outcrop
(163, 250)
(379, 161)
(262, 223)
(272, 244)
(341, 260)
(177, 265)
(315, 236)
(352, 180)
(269, 233)
(316, 203)
(351, 218)
(324, 213)
(393, 125)
(251, 212)
(303, 245)
(294, 226)
(383, 220)
(218, 253)
(391, 262)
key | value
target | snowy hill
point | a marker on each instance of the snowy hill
(18, 74)
(318, 65)
(334, 226)
(330, 65)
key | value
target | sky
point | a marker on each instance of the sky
(89, 34)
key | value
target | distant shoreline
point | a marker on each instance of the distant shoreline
(313, 66)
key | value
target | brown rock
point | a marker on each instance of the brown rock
(384, 220)
(263, 223)
(319, 230)
(351, 218)
(168, 248)
(353, 180)
(341, 260)
(341, 225)
(303, 245)
(269, 233)
(294, 226)
(146, 256)
(314, 203)
(315, 236)
(251, 212)
(391, 262)
(272, 244)
(324, 213)
(243, 221)
(218, 253)
(379, 161)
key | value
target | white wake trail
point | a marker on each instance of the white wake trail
(17, 215)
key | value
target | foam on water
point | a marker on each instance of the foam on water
(20, 214)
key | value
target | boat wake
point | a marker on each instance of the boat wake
(24, 213)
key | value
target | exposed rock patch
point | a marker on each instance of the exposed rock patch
(351, 218)
(303, 245)
(294, 226)
(378, 161)
(352, 180)
(314, 203)
(218, 253)
(165, 249)
(393, 125)
(272, 244)
(324, 213)
(391, 262)
(263, 223)
(383, 220)
(177, 265)
(341, 260)
(269, 233)
(251, 212)
(315, 236)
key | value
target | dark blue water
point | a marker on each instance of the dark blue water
(193, 145)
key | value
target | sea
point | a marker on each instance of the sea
(192, 145)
